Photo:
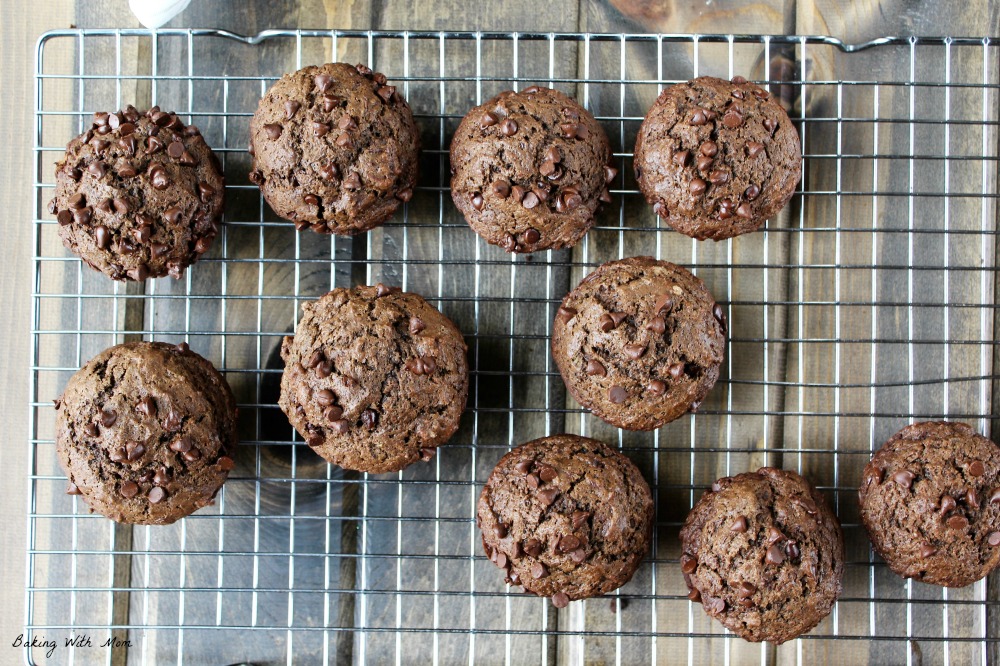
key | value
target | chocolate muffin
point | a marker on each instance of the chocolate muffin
(146, 432)
(639, 342)
(717, 158)
(930, 500)
(529, 170)
(138, 194)
(764, 555)
(375, 378)
(334, 148)
(566, 517)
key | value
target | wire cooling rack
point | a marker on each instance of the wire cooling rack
(869, 302)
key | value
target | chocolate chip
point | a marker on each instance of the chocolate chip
(146, 406)
(134, 451)
(564, 314)
(64, 218)
(751, 192)
(560, 600)
(330, 102)
(344, 141)
(547, 496)
(570, 199)
(957, 522)
(569, 543)
(574, 130)
(904, 478)
(340, 427)
(874, 477)
(333, 413)
(108, 418)
(718, 177)
(203, 244)
(129, 489)
(609, 174)
(533, 547)
(369, 418)
(694, 595)
(792, 550)
(680, 158)
(83, 216)
(971, 498)
(97, 169)
(173, 420)
(539, 570)
(754, 149)
(72, 489)
(508, 127)
(697, 186)
(386, 92)
(547, 473)
(709, 149)
(530, 200)
(500, 559)
(688, 564)
(595, 367)
(744, 210)
(273, 130)
(323, 82)
(488, 120)
(739, 525)
(501, 188)
(405, 194)
(500, 530)
(656, 387)
(158, 178)
(477, 201)
(927, 550)
(976, 468)
(256, 177)
(161, 478)
(77, 201)
(745, 590)
(325, 397)
(175, 149)
(518, 193)
(324, 369)
(353, 181)
(634, 351)
(382, 290)
(704, 163)
(733, 118)
(157, 495)
(291, 108)
(617, 395)
(181, 445)
(770, 125)
(994, 539)
(675, 370)
(774, 535)
(320, 129)
(311, 200)
(192, 455)
(774, 555)
(699, 117)
(225, 463)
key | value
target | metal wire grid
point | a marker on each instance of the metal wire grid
(867, 305)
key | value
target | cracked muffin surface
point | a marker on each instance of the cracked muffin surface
(146, 432)
(566, 517)
(930, 502)
(334, 148)
(375, 378)
(639, 342)
(138, 195)
(530, 169)
(764, 555)
(717, 158)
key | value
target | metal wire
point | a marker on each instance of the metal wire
(867, 304)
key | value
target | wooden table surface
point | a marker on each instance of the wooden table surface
(21, 23)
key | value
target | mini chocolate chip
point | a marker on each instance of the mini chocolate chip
(353, 181)
(739, 525)
(129, 489)
(635, 351)
(957, 522)
(904, 478)
(564, 314)
(323, 82)
(134, 451)
(977, 468)
(181, 445)
(595, 367)
(927, 550)
(617, 395)
(488, 120)
(774, 555)
(157, 495)
(533, 547)
(508, 127)
(548, 495)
